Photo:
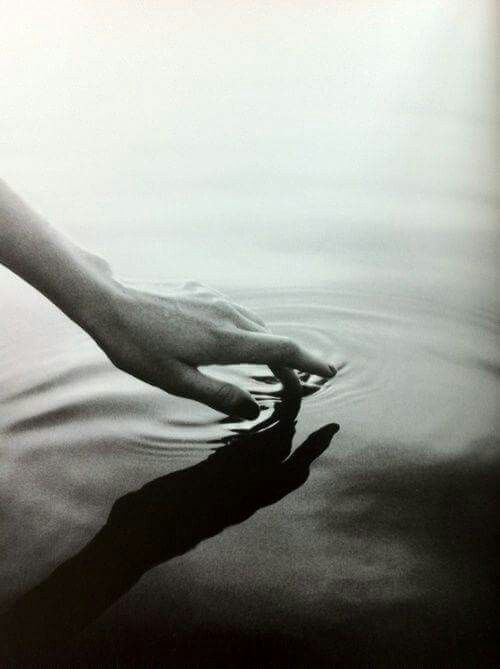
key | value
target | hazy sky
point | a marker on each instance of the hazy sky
(178, 119)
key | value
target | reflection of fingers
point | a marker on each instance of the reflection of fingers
(219, 395)
(278, 351)
(290, 381)
(292, 395)
(263, 450)
(294, 472)
(312, 447)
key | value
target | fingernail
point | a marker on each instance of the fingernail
(248, 409)
(333, 371)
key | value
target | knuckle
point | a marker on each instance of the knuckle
(251, 314)
(288, 348)
(225, 309)
(218, 336)
(242, 310)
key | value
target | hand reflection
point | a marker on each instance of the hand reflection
(173, 513)
(163, 519)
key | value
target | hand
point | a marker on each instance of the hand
(159, 339)
(162, 339)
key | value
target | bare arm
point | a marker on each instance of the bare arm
(159, 339)
(52, 263)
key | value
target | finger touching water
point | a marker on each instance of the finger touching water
(164, 339)
(277, 351)
(219, 395)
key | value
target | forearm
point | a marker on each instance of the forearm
(160, 339)
(52, 263)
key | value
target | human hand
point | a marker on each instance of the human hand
(163, 339)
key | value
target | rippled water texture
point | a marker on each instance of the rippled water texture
(360, 218)
(417, 389)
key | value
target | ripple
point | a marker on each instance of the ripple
(367, 337)
(350, 339)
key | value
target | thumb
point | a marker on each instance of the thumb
(220, 395)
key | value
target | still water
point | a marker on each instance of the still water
(332, 169)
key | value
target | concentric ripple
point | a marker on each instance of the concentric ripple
(369, 338)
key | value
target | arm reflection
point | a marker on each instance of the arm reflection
(165, 518)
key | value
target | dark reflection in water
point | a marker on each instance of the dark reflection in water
(165, 518)
(446, 510)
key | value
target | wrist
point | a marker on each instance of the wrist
(94, 298)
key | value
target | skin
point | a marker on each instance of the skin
(161, 340)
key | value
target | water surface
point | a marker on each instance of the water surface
(345, 192)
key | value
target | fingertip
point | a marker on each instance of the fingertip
(247, 408)
(313, 364)
(221, 396)
(327, 370)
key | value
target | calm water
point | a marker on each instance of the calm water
(344, 191)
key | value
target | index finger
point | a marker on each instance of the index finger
(276, 351)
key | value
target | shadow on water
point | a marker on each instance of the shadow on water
(446, 511)
(165, 518)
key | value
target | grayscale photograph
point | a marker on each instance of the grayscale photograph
(249, 333)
